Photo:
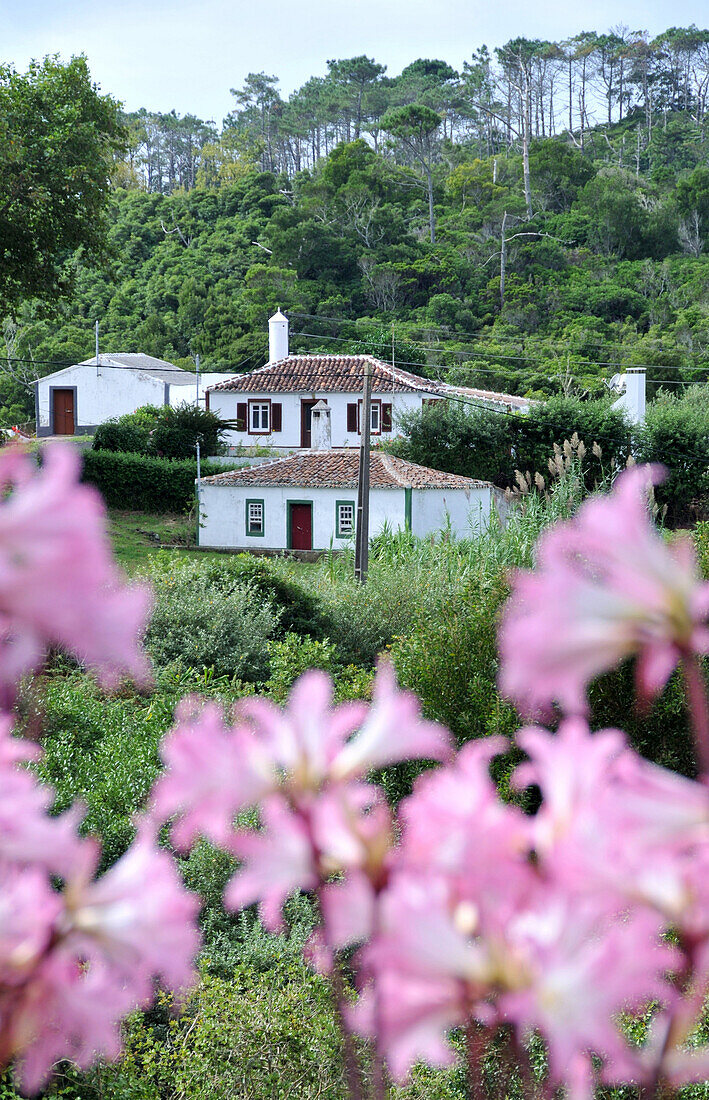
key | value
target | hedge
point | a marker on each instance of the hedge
(144, 484)
(487, 444)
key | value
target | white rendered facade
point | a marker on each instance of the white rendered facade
(227, 511)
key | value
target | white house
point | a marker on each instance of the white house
(308, 501)
(272, 405)
(75, 400)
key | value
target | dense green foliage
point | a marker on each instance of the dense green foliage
(566, 248)
(206, 625)
(144, 483)
(165, 432)
(57, 141)
(487, 444)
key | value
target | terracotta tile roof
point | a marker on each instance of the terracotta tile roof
(345, 374)
(492, 396)
(327, 374)
(339, 469)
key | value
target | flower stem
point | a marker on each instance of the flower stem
(350, 1060)
(698, 708)
(475, 1040)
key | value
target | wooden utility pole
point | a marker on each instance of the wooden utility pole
(362, 537)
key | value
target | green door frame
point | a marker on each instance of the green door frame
(289, 521)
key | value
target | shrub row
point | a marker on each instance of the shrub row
(492, 446)
(144, 484)
(162, 431)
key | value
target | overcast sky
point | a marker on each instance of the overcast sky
(187, 54)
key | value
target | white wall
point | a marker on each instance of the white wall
(223, 513)
(101, 393)
(466, 510)
(224, 404)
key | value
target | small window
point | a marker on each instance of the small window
(345, 519)
(376, 408)
(254, 517)
(259, 418)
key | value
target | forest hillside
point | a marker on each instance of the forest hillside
(532, 224)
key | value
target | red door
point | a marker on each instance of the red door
(301, 526)
(63, 412)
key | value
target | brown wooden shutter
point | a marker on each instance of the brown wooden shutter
(352, 416)
(206, 400)
(276, 416)
(242, 413)
(386, 417)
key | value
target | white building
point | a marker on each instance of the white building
(75, 400)
(272, 406)
(308, 501)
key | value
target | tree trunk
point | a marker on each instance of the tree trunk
(431, 218)
(503, 259)
(526, 127)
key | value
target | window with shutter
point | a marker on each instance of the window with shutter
(352, 417)
(242, 410)
(259, 417)
(386, 418)
(276, 417)
(206, 400)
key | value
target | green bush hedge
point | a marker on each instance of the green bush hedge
(483, 443)
(676, 433)
(162, 431)
(144, 484)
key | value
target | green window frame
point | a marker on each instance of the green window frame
(251, 518)
(339, 533)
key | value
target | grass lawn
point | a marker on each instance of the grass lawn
(137, 536)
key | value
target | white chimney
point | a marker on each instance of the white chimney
(277, 337)
(633, 400)
(320, 433)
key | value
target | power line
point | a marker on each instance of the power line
(453, 334)
(619, 367)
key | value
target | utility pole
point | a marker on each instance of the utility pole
(196, 359)
(199, 492)
(362, 538)
(97, 360)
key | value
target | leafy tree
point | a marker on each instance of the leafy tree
(415, 127)
(58, 137)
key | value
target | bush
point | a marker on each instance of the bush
(676, 434)
(143, 484)
(293, 656)
(556, 420)
(199, 624)
(177, 432)
(243, 1037)
(114, 435)
(298, 610)
(491, 445)
(163, 432)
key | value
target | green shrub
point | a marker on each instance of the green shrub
(177, 432)
(676, 434)
(196, 622)
(113, 435)
(102, 752)
(141, 483)
(490, 445)
(294, 655)
(163, 432)
(298, 609)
